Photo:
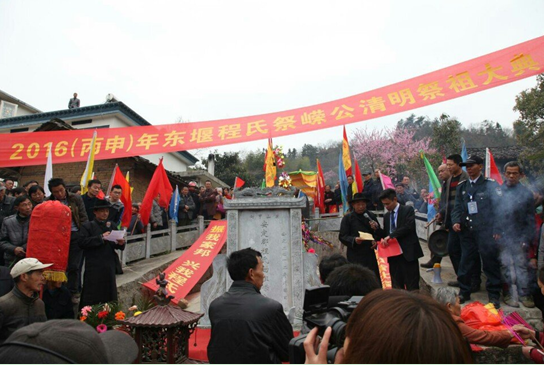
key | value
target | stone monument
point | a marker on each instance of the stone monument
(272, 226)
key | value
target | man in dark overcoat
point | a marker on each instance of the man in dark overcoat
(99, 284)
(359, 220)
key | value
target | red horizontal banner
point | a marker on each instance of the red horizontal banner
(186, 271)
(482, 73)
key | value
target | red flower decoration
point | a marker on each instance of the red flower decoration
(102, 314)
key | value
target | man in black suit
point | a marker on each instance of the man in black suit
(400, 223)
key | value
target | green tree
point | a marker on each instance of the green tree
(529, 128)
(488, 134)
(446, 135)
(311, 152)
(254, 162)
(421, 125)
(228, 166)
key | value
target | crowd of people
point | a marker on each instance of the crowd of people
(26, 296)
(491, 227)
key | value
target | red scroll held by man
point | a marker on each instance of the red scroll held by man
(187, 270)
(49, 237)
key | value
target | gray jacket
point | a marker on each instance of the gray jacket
(18, 310)
(14, 233)
(186, 201)
(156, 214)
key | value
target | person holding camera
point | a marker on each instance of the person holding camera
(247, 327)
(395, 327)
(359, 220)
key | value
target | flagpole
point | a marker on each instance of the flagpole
(487, 163)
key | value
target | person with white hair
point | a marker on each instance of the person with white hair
(449, 297)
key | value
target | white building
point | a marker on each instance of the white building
(18, 117)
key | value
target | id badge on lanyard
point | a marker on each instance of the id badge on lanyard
(472, 206)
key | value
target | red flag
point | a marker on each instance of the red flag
(101, 195)
(491, 169)
(159, 185)
(119, 179)
(238, 183)
(358, 178)
(320, 194)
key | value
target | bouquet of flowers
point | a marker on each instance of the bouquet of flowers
(285, 180)
(280, 157)
(105, 316)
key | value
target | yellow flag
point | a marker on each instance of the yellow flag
(88, 173)
(345, 154)
(270, 173)
(127, 177)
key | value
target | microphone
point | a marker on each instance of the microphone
(368, 217)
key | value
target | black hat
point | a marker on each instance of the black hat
(359, 197)
(101, 203)
(473, 160)
(65, 341)
(367, 173)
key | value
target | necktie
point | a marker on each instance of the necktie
(393, 225)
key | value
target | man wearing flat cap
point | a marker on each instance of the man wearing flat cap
(473, 217)
(22, 305)
(359, 251)
(99, 285)
(67, 341)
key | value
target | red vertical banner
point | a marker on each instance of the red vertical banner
(320, 193)
(186, 271)
(383, 267)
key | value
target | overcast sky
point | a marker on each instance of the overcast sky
(207, 60)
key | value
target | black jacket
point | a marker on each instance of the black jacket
(6, 207)
(363, 253)
(99, 285)
(58, 303)
(405, 232)
(6, 281)
(485, 193)
(76, 205)
(446, 206)
(248, 328)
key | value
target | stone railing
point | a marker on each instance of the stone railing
(152, 243)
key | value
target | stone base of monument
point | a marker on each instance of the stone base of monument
(270, 222)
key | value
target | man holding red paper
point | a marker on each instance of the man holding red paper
(400, 223)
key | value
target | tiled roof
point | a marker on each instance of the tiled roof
(86, 111)
(163, 316)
